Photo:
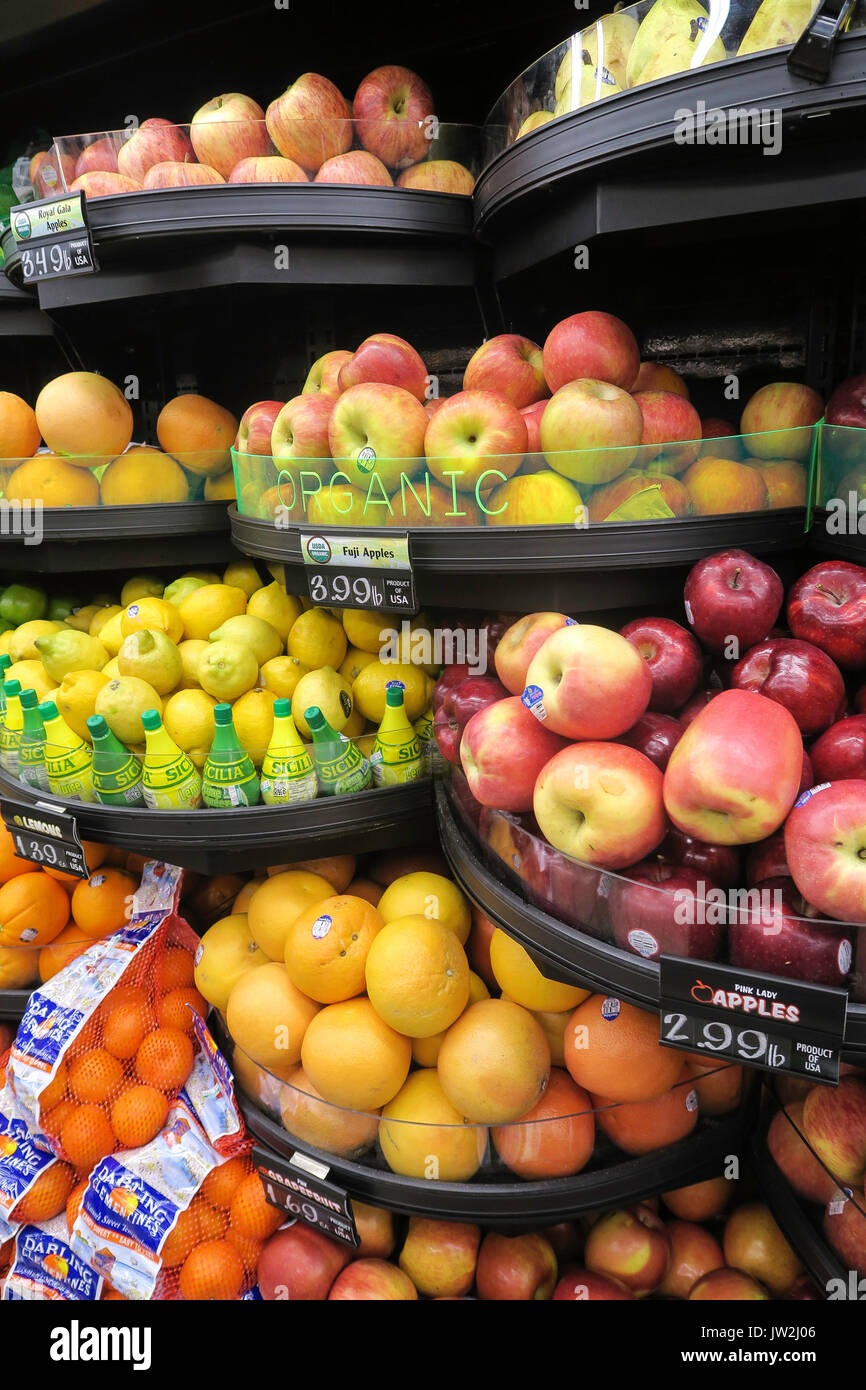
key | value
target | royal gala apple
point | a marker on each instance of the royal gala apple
(566, 1237)
(355, 166)
(656, 736)
(519, 645)
(98, 158)
(774, 931)
(270, 168)
(727, 1286)
(754, 1244)
(300, 1264)
(375, 1227)
(656, 486)
(256, 427)
(310, 122)
(694, 1253)
(734, 775)
(720, 486)
(227, 129)
(794, 1158)
(502, 751)
(718, 863)
(674, 659)
(631, 1246)
(827, 606)
(324, 375)
(671, 430)
(655, 376)
(438, 176)
(157, 141)
(459, 704)
(732, 595)
(840, 753)
(780, 419)
(767, 859)
(99, 185)
(661, 909)
(388, 360)
(588, 682)
(440, 1256)
(50, 173)
(787, 483)
(515, 1268)
(511, 365)
(300, 430)
(475, 436)
(532, 416)
(601, 803)
(594, 345)
(367, 1281)
(797, 675)
(834, 1125)
(391, 110)
(825, 844)
(720, 439)
(544, 498)
(699, 1201)
(590, 431)
(582, 1286)
(174, 174)
(377, 430)
(845, 1229)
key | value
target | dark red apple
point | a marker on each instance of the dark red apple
(515, 1268)
(692, 709)
(847, 405)
(451, 676)
(795, 674)
(732, 595)
(661, 909)
(718, 863)
(566, 1237)
(776, 933)
(767, 859)
(860, 700)
(656, 736)
(580, 1286)
(461, 701)
(807, 777)
(674, 659)
(464, 802)
(840, 752)
(828, 607)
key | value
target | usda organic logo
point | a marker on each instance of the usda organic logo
(366, 459)
(21, 226)
(318, 550)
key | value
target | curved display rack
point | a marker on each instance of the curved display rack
(564, 953)
(13, 1002)
(20, 315)
(250, 837)
(99, 538)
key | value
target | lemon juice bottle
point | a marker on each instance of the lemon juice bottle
(5, 663)
(116, 772)
(169, 779)
(229, 777)
(396, 755)
(10, 731)
(340, 765)
(288, 773)
(68, 760)
(31, 746)
(424, 729)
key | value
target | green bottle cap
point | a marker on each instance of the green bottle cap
(97, 726)
(5, 662)
(282, 708)
(222, 714)
(394, 694)
(151, 720)
(48, 709)
(12, 688)
(314, 718)
(29, 699)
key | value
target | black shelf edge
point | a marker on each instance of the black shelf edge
(99, 538)
(252, 837)
(566, 953)
(13, 1003)
(839, 547)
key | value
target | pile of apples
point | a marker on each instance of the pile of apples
(674, 764)
(309, 134)
(575, 432)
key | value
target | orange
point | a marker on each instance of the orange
(71, 942)
(225, 953)
(212, 1222)
(55, 1091)
(327, 946)
(699, 1201)
(219, 1186)
(417, 976)
(84, 415)
(277, 902)
(251, 1213)
(52, 1121)
(142, 475)
(19, 432)
(198, 433)
(102, 904)
(86, 1039)
(557, 1136)
(133, 863)
(553, 1027)
(494, 1062)
(430, 895)
(74, 1203)
(425, 1051)
(180, 1239)
(175, 1009)
(138, 1115)
(422, 1135)
(248, 1249)
(53, 482)
(337, 869)
(48, 1195)
(86, 1136)
(612, 1049)
(112, 1296)
(33, 910)
(10, 865)
(95, 1077)
(306, 1116)
(353, 1058)
(164, 1059)
(127, 1018)
(268, 1016)
(719, 1086)
(520, 978)
(95, 854)
(642, 1126)
(178, 969)
(214, 897)
(18, 968)
(367, 889)
(241, 903)
(212, 1271)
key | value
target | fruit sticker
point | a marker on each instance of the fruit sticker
(809, 793)
(321, 927)
(644, 943)
(610, 1009)
(533, 699)
(844, 956)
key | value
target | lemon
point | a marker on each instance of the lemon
(253, 716)
(368, 689)
(70, 650)
(327, 689)
(263, 640)
(180, 588)
(5, 639)
(221, 488)
(190, 654)
(33, 676)
(354, 662)
(364, 628)
(188, 719)
(111, 633)
(278, 608)
(227, 670)
(429, 895)
(152, 656)
(277, 571)
(141, 586)
(354, 725)
(281, 675)
(317, 639)
(122, 703)
(101, 617)
(206, 609)
(111, 669)
(104, 600)
(82, 617)
(206, 576)
(152, 613)
(76, 698)
(242, 574)
(21, 647)
(366, 743)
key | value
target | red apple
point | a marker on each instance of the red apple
(391, 108)
(787, 483)
(51, 172)
(310, 122)
(847, 405)
(356, 167)
(733, 595)
(532, 416)
(515, 1268)
(797, 675)
(376, 434)
(588, 682)
(601, 803)
(807, 776)
(256, 426)
(845, 1229)
(375, 1227)
(593, 345)
(557, 885)
(99, 157)
(300, 1265)
(767, 859)
(653, 488)
(734, 774)
(655, 376)
(99, 185)
(825, 843)
(674, 659)
(656, 736)
(440, 1256)
(693, 707)
(438, 176)
(476, 434)
(774, 931)
(827, 606)
(157, 141)
(721, 439)
(503, 749)
(780, 419)
(385, 358)
(270, 168)
(452, 675)
(694, 1253)
(519, 644)
(227, 129)
(632, 1246)
(460, 703)
(510, 365)
(367, 1281)
(670, 422)
(699, 1201)
(727, 1286)
(755, 1245)
(324, 375)
(566, 1237)
(590, 431)
(300, 430)
(834, 1126)
(580, 1286)
(718, 863)
(174, 174)
(792, 1155)
(840, 753)
(661, 909)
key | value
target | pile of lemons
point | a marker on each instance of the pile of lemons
(206, 638)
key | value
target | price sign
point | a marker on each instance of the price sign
(367, 569)
(45, 834)
(300, 1186)
(764, 1020)
(53, 238)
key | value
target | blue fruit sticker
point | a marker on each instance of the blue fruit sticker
(610, 1009)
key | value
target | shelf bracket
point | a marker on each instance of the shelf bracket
(812, 55)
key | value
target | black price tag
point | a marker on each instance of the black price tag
(45, 834)
(364, 569)
(53, 238)
(761, 1020)
(300, 1186)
